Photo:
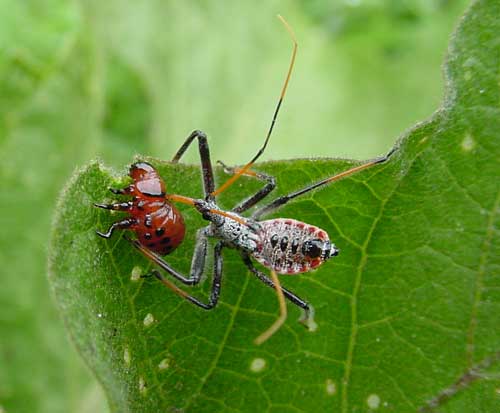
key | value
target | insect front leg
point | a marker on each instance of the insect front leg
(206, 164)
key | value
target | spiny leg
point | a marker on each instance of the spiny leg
(294, 299)
(261, 194)
(281, 319)
(206, 164)
(243, 170)
(120, 206)
(123, 224)
(197, 264)
(216, 283)
(282, 200)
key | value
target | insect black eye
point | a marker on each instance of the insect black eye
(312, 248)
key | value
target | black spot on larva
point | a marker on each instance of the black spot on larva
(147, 235)
(159, 232)
(165, 240)
(295, 245)
(274, 240)
(167, 249)
(284, 243)
(151, 244)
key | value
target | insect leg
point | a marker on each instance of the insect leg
(197, 264)
(123, 224)
(281, 319)
(282, 200)
(206, 164)
(261, 194)
(121, 206)
(178, 291)
(288, 294)
(216, 283)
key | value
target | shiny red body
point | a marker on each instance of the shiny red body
(159, 226)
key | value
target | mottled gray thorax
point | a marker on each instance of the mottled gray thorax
(244, 237)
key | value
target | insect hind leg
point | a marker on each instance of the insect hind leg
(294, 299)
(281, 319)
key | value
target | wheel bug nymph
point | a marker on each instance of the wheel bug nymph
(284, 246)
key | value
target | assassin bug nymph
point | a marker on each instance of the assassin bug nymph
(285, 246)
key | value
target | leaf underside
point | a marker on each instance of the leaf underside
(407, 314)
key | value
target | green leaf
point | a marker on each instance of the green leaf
(407, 314)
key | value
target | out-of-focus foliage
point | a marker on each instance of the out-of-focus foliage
(80, 79)
(407, 314)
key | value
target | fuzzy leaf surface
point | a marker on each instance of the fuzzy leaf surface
(407, 314)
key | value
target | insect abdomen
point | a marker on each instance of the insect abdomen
(283, 245)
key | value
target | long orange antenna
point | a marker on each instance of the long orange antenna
(191, 201)
(243, 170)
(281, 319)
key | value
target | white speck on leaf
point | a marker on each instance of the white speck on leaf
(136, 273)
(258, 365)
(126, 356)
(164, 364)
(468, 143)
(309, 322)
(142, 386)
(331, 388)
(148, 320)
(373, 401)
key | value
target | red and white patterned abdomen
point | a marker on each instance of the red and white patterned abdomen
(281, 247)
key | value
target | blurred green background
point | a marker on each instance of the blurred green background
(85, 79)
